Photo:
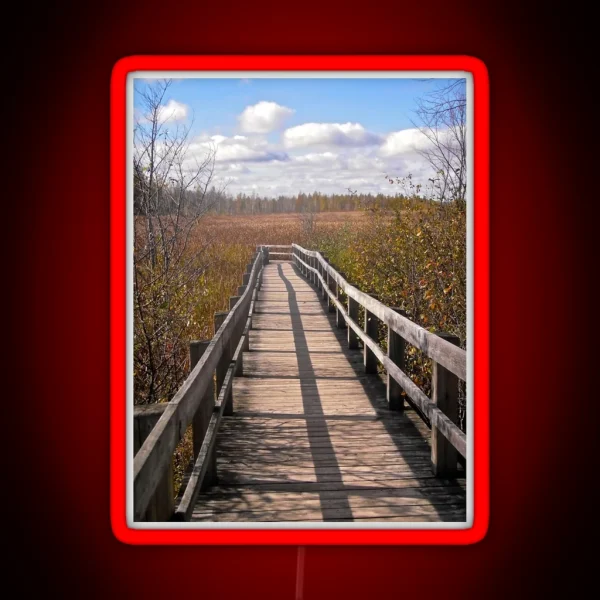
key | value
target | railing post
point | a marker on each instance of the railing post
(265, 255)
(202, 417)
(254, 299)
(339, 317)
(245, 278)
(444, 393)
(353, 307)
(246, 346)
(333, 287)
(162, 504)
(326, 279)
(223, 365)
(239, 330)
(371, 328)
(319, 271)
(239, 366)
(396, 348)
(327, 287)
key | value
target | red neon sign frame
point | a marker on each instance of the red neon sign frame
(480, 267)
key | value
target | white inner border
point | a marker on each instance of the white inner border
(129, 309)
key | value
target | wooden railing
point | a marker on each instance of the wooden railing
(206, 394)
(202, 400)
(277, 252)
(449, 360)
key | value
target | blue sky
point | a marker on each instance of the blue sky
(277, 136)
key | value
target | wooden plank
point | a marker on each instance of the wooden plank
(303, 501)
(407, 482)
(435, 494)
(340, 513)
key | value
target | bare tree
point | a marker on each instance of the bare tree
(441, 116)
(170, 196)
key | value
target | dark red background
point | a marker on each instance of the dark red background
(57, 251)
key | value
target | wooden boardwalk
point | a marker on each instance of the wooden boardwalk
(311, 437)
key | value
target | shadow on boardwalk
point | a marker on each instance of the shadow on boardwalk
(311, 438)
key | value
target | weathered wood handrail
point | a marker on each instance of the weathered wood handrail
(275, 250)
(145, 417)
(195, 401)
(153, 459)
(274, 246)
(438, 349)
(449, 359)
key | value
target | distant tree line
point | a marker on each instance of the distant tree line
(218, 202)
(316, 202)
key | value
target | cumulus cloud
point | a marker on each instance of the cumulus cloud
(404, 142)
(251, 162)
(172, 111)
(237, 149)
(329, 134)
(363, 169)
(264, 117)
(412, 141)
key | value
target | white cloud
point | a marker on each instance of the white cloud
(237, 149)
(413, 141)
(264, 117)
(329, 134)
(404, 142)
(236, 168)
(251, 162)
(328, 172)
(316, 158)
(217, 139)
(172, 111)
